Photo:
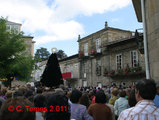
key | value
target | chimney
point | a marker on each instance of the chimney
(106, 24)
(79, 37)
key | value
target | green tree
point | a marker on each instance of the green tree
(41, 54)
(61, 54)
(13, 62)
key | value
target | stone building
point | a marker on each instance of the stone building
(152, 32)
(28, 39)
(16, 27)
(70, 71)
(110, 56)
(38, 73)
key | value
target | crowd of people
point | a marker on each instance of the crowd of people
(136, 102)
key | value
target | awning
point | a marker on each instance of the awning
(66, 75)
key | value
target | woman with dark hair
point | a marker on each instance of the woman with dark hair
(57, 107)
(99, 110)
(131, 99)
(78, 112)
(39, 101)
(84, 100)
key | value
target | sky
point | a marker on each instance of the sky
(57, 23)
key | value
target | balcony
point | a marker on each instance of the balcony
(83, 55)
(134, 72)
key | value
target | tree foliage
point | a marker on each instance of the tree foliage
(41, 54)
(61, 54)
(13, 61)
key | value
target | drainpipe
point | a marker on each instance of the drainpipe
(145, 39)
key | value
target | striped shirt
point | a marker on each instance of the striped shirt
(144, 110)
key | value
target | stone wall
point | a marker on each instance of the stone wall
(71, 65)
(108, 61)
(152, 18)
(29, 45)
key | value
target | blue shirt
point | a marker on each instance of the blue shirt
(156, 100)
(121, 104)
(79, 112)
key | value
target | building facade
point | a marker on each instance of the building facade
(110, 56)
(16, 27)
(38, 72)
(152, 32)
(70, 71)
(105, 57)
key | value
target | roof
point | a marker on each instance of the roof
(132, 38)
(105, 29)
(137, 7)
(28, 36)
(11, 23)
(69, 58)
(119, 41)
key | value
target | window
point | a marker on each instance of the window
(8, 27)
(98, 67)
(86, 49)
(84, 83)
(119, 61)
(84, 67)
(134, 58)
(15, 28)
(84, 70)
(71, 69)
(98, 45)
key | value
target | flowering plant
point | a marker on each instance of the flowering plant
(81, 54)
(92, 52)
(127, 69)
(105, 72)
(112, 72)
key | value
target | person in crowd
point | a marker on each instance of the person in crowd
(9, 94)
(39, 91)
(57, 107)
(68, 96)
(23, 89)
(28, 93)
(40, 102)
(1, 102)
(17, 93)
(78, 111)
(128, 90)
(84, 100)
(114, 96)
(99, 110)
(59, 91)
(93, 97)
(3, 92)
(156, 99)
(131, 99)
(28, 86)
(112, 109)
(145, 109)
(14, 113)
(121, 103)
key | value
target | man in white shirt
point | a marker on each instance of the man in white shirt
(145, 109)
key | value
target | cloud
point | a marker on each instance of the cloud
(55, 18)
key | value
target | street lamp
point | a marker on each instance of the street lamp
(54, 50)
